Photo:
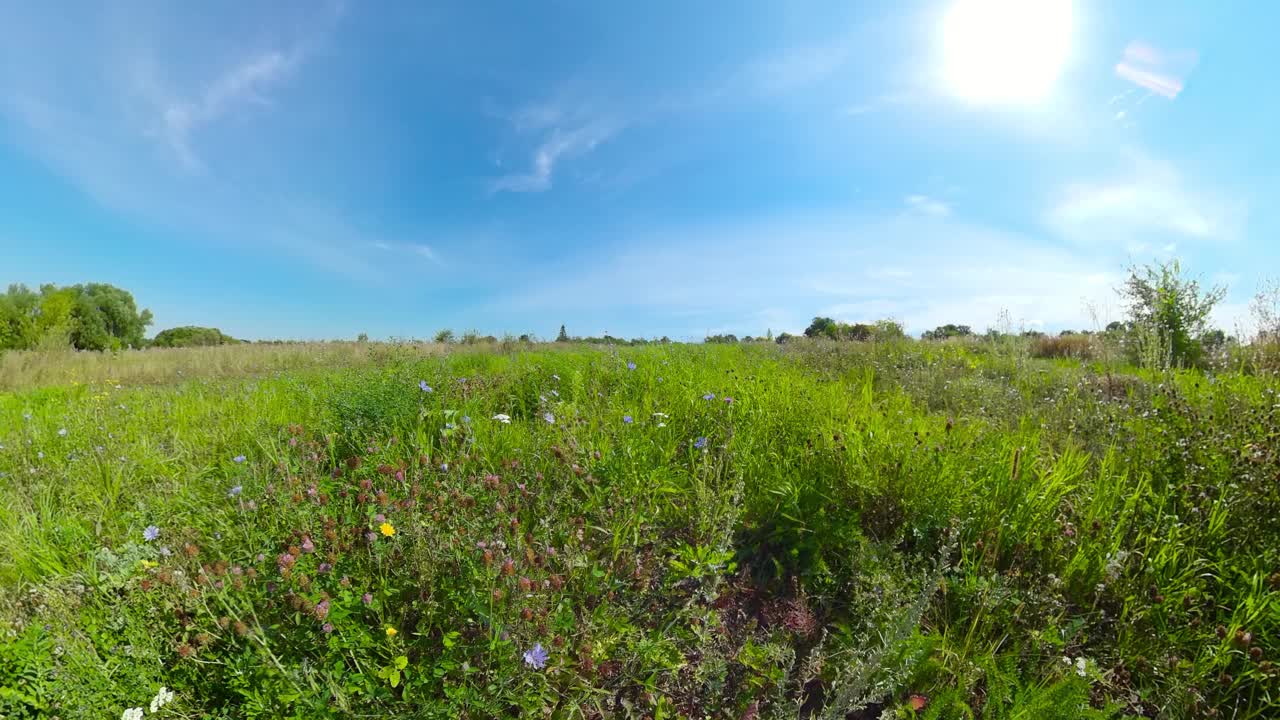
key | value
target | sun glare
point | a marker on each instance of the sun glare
(1005, 51)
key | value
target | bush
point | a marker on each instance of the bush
(191, 336)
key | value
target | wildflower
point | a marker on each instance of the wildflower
(367, 598)
(556, 393)
(326, 628)
(62, 432)
(631, 365)
(387, 529)
(307, 545)
(627, 419)
(503, 418)
(728, 400)
(552, 375)
(132, 714)
(700, 443)
(549, 418)
(662, 424)
(235, 490)
(150, 533)
(238, 459)
(444, 467)
(709, 396)
(424, 387)
(322, 609)
(661, 415)
(391, 632)
(536, 657)
(1081, 666)
(379, 518)
(466, 419)
(162, 698)
(324, 567)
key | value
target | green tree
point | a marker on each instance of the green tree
(444, 336)
(1169, 313)
(563, 336)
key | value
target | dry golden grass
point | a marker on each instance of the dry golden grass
(29, 369)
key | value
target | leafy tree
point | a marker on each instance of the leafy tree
(96, 316)
(821, 327)
(950, 330)
(563, 336)
(726, 338)
(191, 336)
(444, 336)
(1169, 312)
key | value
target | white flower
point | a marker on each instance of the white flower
(661, 415)
(1081, 666)
(62, 432)
(162, 698)
(503, 418)
(131, 714)
(662, 424)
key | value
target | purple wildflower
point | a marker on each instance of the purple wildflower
(307, 545)
(371, 537)
(631, 365)
(235, 490)
(709, 396)
(728, 400)
(379, 518)
(324, 568)
(367, 598)
(286, 560)
(322, 609)
(549, 418)
(536, 657)
(627, 419)
(150, 533)
(238, 459)
(700, 443)
(326, 628)
(424, 387)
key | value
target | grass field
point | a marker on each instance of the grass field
(843, 530)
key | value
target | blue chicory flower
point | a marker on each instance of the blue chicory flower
(627, 419)
(700, 443)
(424, 387)
(238, 459)
(631, 365)
(549, 418)
(536, 657)
(709, 396)
(151, 533)
(235, 490)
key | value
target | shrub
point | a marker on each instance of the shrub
(191, 336)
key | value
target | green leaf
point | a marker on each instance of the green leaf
(402, 662)
(394, 678)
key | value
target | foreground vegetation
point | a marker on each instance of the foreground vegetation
(817, 530)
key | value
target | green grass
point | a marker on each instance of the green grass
(868, 530)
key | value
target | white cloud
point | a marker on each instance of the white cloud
(754, 274)
(247, 82)
(925, 205)
(1138, 208)
(563, 140)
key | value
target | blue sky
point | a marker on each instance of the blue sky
(315, 171)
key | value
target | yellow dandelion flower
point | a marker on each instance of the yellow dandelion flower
(391, 632)
(387, 529)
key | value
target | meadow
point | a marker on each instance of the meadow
(896, 529)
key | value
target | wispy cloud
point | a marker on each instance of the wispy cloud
(925, 271)
(558, 143)
(925, 205)
(1132, 208)
(1160, 72)
(246, 83)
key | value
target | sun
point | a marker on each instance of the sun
(1005, 51)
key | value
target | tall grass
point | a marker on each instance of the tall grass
(824, 530)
